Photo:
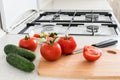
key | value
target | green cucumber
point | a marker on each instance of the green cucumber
(10, 48)
(20, 62)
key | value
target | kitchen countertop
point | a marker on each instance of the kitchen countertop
(11, 73)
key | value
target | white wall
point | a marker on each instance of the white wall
(12, 9)
(74, 4)
(115, 4)
(43, 3)
(81, 4)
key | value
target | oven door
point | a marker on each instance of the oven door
(2, 33)
(0, 22)
(13, 12)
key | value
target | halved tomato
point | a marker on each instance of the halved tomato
(92, 53)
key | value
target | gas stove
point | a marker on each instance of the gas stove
(84, 23)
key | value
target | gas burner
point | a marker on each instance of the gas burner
(48, 28)
(92, 28)
(56, 16)
(92, 17)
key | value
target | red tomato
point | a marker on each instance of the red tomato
(28, 43)
(67, 44)
(91, 53)
(51, 52)
(36, 35)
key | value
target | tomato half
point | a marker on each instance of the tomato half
(91, 53)
(50, 52)
(67, 44)
(29, 43)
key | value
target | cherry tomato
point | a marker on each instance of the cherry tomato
(91, 53)
(51, 52)
(67, 44)
(36, 35)
(28, 43)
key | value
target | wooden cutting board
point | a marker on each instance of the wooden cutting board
(75, 66)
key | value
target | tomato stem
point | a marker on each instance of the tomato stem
(52, 38)
(66, 37)
(52, 42)
(27, 37)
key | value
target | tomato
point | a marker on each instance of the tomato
(91, 53)
(67, 44)
(51, 52)
(29, 43)
(36, 35)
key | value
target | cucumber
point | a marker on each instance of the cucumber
(20, 62)
(10, 48)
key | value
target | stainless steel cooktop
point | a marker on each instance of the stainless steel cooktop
(86, 23)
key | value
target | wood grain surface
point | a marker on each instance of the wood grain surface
(75, 66)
